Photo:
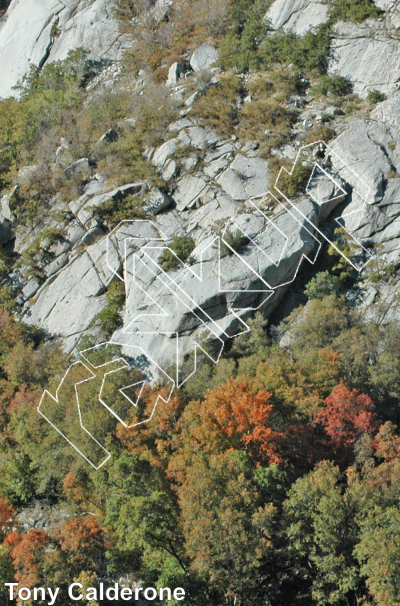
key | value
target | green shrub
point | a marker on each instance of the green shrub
(218, 107)
(249, 48)
(375, 96)
(233, 240)
(323, 132)
(126, 10)
(239, 48)
(50, 102)
(335, 84)
(183, 247)
(344, 246)
(39, 254)
(109, 319)
(119, 209)
(8, 295)
(291, 184)
(354, 10)
(322, 285)
(265, 113)
(353, 106)
(306, 53)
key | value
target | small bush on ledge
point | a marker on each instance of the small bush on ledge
(183, 247)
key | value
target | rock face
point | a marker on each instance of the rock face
(225, 199)
(368, 55)
(297, 16)
(372, 149)
(392, 8)
(249, 243)
(37, 31)
(216, 201)
(226, 287)
(68, 306)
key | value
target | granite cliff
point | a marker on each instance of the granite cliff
(246, 245)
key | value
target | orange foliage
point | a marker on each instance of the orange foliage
(231, 417)
(73, 489)
(83, 539)
(387, 442)
(27, 553)
(153, 439)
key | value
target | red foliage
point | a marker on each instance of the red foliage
(346, 415)
(27, 553)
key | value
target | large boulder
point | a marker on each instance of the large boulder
(297, 16)
(367, 156)
(157, 202)
(40, 31)
(79, 170)
(203, 57)
(27, 174)
(85, 207)
(175, 72)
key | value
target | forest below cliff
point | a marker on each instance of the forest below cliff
(272, 476)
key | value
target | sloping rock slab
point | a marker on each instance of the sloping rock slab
(367, 55)
(66, 306)
(297, 16)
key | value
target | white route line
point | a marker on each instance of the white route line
(173, 286)
(143, 353)
(79, 412)
(165, 314)
(297, 209)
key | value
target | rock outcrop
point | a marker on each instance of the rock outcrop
(368, 55)
(225, 198)
(203, 57)
(297, 16)
(372, 149)
(392, 12)
(34, 32)
(248, 244)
